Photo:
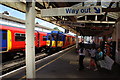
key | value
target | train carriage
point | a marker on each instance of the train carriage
(57, 40)
(13, 41)
(40, 41)
(12, 38)
(69, 40)
(54, 40)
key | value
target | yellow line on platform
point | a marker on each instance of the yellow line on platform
(45, 65)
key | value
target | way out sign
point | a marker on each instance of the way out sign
(72, 11)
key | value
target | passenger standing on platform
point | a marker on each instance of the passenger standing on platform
(100, 55)
(81, 52)
(81, 45)
(93, 59)
(81, 58)
(93, 44)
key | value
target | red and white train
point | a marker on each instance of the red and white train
(13, 40)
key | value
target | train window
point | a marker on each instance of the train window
(49, 37)
(17, 34)
(73, 39)
(19, 37)
(4, 36)
(60, 37)
(68, 39)
(54, 37)
(44, 38)
(23, 35)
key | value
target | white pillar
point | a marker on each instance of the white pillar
(30, 46)
(77, 41)
(106, 18)
(96, 18)
(118, 42)
(85, 18)
(114, 35)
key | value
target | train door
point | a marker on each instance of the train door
(49, 40)
(4, 39)
(37, 39)
(60, 40)
(55, 39)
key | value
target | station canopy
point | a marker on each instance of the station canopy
(91, 25)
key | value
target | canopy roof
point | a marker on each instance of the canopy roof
(107, 19)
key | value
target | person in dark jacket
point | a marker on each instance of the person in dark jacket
(81, 45)
(81, 58)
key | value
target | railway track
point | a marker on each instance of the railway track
(14, 64)
(9, 66)
(39, 57)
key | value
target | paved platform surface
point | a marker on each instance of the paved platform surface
(65, 66)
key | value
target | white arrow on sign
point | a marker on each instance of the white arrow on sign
(72, 11)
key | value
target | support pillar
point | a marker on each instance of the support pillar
(96, 18)
(106, 18)
(77, 41)
(114, 44)
(114, 35)
(30, 46)
(118, 42)
(96, 40)
(105, 38)
(85, 18)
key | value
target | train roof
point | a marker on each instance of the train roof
(41, 32)
(19, 21)
(60, 33)
(15, 28)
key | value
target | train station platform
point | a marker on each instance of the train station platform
(65, 66)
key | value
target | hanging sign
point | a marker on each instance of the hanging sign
(69, 23)
(72, 11)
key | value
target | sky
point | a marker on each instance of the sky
(21, 15)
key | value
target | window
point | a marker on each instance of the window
(73, 39)
(44, 38)
(49, 37)
(4, 36)
(60, 37)
(54, 37)
(23, 35)
(19, 37)
(68, 39)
